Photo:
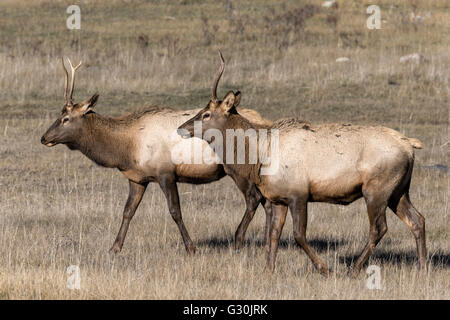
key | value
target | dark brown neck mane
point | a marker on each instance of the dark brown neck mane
(247, 171)
(105, 141)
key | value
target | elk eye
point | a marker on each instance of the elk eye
(206, 116)
(65, 120)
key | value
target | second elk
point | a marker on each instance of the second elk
(331, 163)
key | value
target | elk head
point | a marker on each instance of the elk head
(68, 127)
(216, 112)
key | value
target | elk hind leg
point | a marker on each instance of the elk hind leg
(415, 222)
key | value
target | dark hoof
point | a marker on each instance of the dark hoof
(191, 250)
(115, 249)
(269, 270)
(323, 270)
(238, 246)
(354, 273)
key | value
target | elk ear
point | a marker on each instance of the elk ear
(88, 105)
(228, 103)
(237, 98)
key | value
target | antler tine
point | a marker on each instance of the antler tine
(72, 82)
(219, 74)
(66, 80)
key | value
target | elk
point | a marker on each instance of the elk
(332, 163)
(140, 145)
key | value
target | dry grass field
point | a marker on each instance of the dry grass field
(57, 208)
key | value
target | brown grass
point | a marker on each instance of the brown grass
(59, 209)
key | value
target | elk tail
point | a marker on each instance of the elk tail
(416, 143)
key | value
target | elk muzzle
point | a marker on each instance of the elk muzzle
(47, 143)
(183, 133)
(186, 130)
(50, 137)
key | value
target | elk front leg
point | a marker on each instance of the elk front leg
(252, 199)
(268, 208)
(134, 198)
(252, 205)
(299, 211)
(279, 217)
(169, 187)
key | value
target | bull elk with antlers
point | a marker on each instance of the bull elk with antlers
(140, 146)
(333, 163)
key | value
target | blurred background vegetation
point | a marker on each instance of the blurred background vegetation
(281, 55)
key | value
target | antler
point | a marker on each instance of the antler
(66, 81)
(219, 74)
(72, 81)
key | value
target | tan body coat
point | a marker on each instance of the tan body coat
(154, 137)
(345, 157)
